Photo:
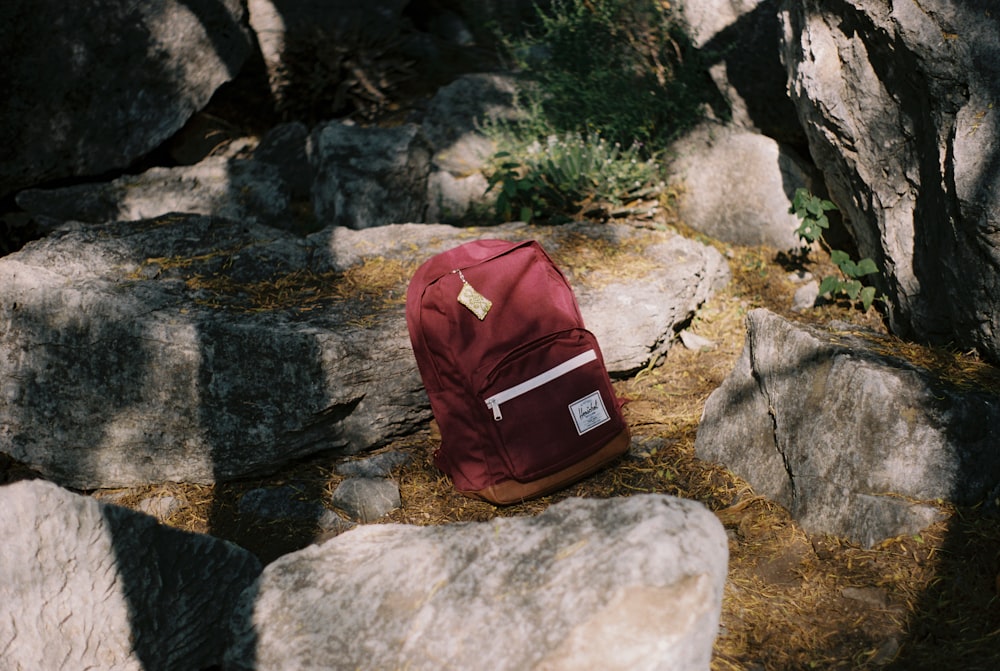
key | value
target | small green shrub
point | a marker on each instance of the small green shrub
(812, 211)
(623, 68)
(565, 176)
(605, 87)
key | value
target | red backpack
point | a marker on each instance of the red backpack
(516, 383)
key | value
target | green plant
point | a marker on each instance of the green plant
(569, 175)
(812, 211)
(623, 68)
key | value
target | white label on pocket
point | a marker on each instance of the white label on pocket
(589, 412)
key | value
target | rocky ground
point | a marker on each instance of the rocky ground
(793, 601)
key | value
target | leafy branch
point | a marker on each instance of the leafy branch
(811, 210)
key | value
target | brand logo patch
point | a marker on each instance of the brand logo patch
(589, 412)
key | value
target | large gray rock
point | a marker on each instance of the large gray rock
(369, 177)
(853, 440)
(454, 126)
(743, 39)
(87, 585)
(198, 349)
(251, 191)
(457, 114)
(81, 103)
(898, 103)
(738, 185)
(146, 352)
(633, 583)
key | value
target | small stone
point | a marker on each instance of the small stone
(695, 342)
(805, 296)
(873, 596)
(367, 499)
(800, 276)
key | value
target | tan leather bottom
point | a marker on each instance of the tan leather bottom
(513, 491)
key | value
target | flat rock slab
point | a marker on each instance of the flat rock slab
(632, 583)
(851, 437)
(189, 348)
(88, 585)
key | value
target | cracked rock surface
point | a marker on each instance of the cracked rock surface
(852, 439)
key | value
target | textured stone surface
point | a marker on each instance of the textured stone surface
(369, 177)
(898, 103)
(87, 585)
(366, 499)
(852, 439)
(83, 104)
(743, 40)
(249, 191)
(738, 186)
(198, 349)
(633, 583)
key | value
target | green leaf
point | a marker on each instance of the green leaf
(809, 231)
(867, 297)
(829, 285)
(852, 289)
(866, 267)
(849, 268)
(827, 205)
(526, 214)
(510, 188)
(838, 257)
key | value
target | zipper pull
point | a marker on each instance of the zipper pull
(494, 405)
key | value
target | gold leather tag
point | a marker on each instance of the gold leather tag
(477, 304)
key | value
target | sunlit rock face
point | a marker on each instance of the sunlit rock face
(898, 104)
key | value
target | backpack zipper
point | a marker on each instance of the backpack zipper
(494, 401)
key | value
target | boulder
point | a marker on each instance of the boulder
(251, 191)
(456, 115)
(199, 349)
(898, 104)
(632, 583)
(851, 437)
(87, 585)
(454, 125)
(82, 104)
(742, 40)
(737, 185)
(369, 177)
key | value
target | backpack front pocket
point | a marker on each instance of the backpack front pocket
(552, 404)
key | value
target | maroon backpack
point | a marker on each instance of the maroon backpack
(516, 383)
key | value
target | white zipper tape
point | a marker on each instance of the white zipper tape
(494, 401)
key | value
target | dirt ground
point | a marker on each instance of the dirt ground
(792, 601)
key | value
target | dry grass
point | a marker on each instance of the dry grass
(792, 601)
